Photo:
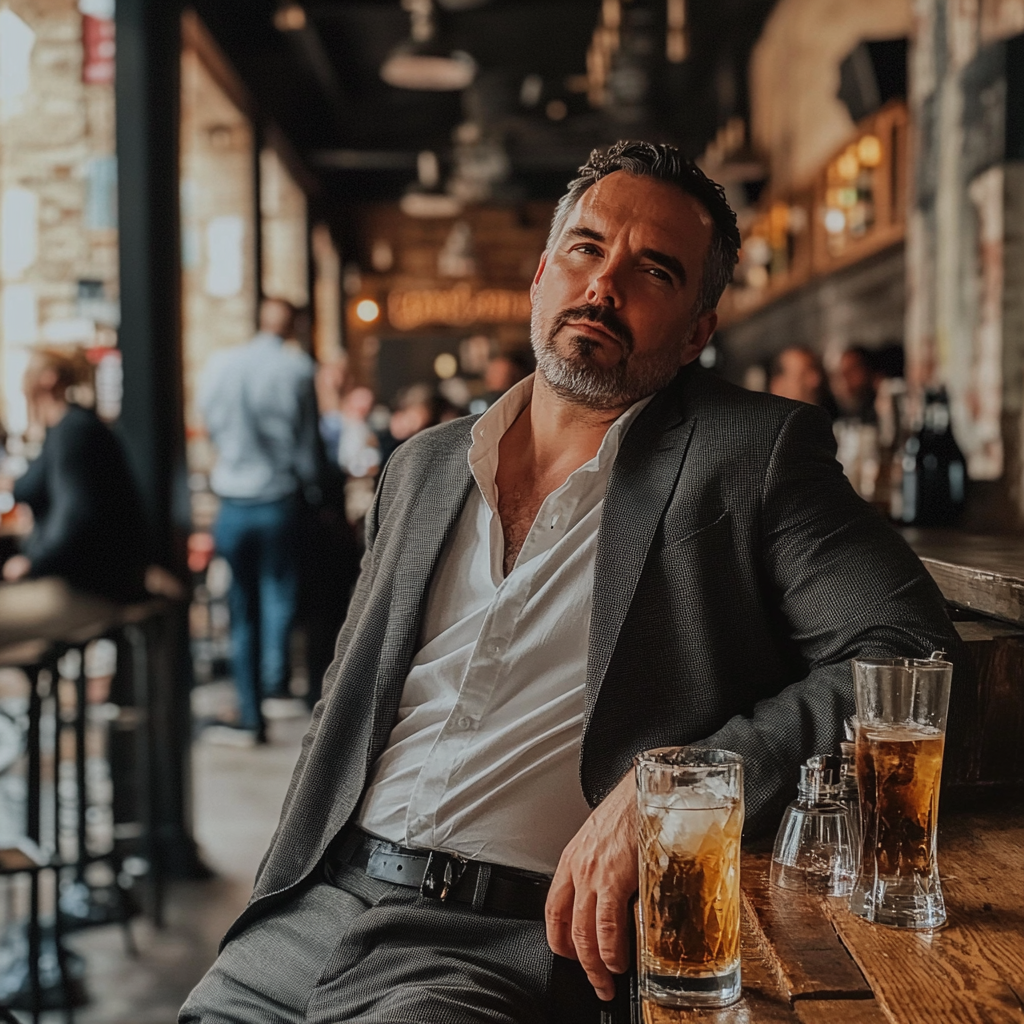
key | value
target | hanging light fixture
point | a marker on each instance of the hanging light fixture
(675, 37)
(421, 62)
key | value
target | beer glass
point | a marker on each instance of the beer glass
(900, 731)
(690, 803)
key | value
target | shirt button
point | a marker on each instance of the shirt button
(464, 723)
(495, 648)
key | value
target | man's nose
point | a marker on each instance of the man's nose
(604, 289)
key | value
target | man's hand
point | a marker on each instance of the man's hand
(16, 568)
(589, 898)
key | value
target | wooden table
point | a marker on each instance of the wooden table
(985, 574)
(807, 960)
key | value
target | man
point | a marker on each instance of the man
(854, 384)
(796, 373)
(618, 555)
(259, 405)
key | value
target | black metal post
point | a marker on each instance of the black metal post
(148, 101)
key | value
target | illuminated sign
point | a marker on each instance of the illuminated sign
(457, 307)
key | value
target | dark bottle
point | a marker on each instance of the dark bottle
(933, 469)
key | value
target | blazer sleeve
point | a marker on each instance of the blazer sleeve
(846, 586)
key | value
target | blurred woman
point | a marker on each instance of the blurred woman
(89, 520)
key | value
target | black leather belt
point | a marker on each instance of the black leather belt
(446, 877)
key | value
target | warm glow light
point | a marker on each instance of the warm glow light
(869, 151)
(289, 18)
(367, 310)
(446, 365)
(847, 166)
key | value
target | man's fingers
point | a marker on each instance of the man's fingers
(588, 951)
(558, 914)
(612, 941)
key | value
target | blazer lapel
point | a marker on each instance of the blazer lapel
(642, 481)
(430, 515)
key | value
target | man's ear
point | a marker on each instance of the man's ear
(702, 331)
(540, 270)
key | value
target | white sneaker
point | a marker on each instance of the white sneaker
(276, 708)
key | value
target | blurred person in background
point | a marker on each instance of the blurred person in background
(358, 447)
(89, 522)
(329, 382)
(796, 372)
(416, 407)
(853, 385)
(259, 405)
(503, 372)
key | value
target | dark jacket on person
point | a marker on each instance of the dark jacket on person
(737, 573)
(89, 519)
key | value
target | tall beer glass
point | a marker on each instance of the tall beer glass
(690, 803)
(900, 732)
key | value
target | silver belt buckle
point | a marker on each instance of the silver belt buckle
(442, 874)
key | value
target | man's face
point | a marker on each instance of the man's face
(800, 378)
(615, 302)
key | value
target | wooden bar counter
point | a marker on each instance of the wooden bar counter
(807, 960)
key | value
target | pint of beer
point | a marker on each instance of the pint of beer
(690, 803)
(900, 732)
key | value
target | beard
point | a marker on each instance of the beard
(578, 378)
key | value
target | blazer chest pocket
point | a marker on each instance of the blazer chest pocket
(715, 532)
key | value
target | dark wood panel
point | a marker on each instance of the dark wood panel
(986, 731)
(799, 943)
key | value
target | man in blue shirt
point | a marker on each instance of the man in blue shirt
(259, 405)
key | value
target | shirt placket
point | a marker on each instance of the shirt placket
(483, 675)
(487, 665)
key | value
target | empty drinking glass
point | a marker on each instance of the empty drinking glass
(814, 851)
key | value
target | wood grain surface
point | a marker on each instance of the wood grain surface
(798, 940)
(985, 574)
(970, 972)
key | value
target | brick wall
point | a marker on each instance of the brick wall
(57, 197)
(218, 209)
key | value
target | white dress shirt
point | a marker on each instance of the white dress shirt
(484, 758)
(259, 407)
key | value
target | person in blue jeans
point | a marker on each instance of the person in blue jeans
(259, 406)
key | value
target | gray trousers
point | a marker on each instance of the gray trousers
(376, 953)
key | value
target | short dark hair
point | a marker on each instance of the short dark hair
(775, 367)
(665, 163)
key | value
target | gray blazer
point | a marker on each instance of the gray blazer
(737, 573)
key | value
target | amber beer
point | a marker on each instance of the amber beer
(900, 735)
(898, 771)
(690, 826)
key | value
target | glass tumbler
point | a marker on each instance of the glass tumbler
(690, 803)
(814, 850)
(900, 732)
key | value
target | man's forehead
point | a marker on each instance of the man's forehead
(652, 206)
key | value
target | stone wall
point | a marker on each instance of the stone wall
(58, 232)
(965, 323)
(218, 219)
